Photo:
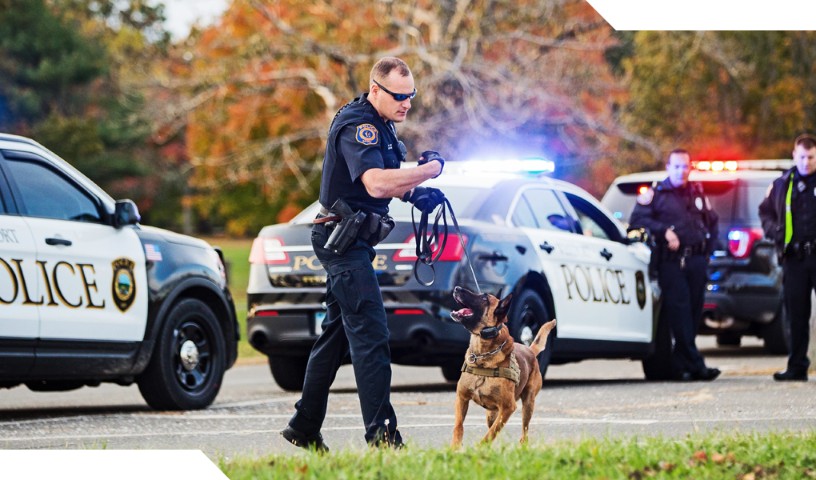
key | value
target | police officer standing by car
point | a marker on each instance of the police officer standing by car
(684, 228)
(361, 174)
(788, 215)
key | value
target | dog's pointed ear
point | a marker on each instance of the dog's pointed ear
(503, 308)
(498, 294)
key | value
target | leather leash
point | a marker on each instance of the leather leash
(425, 238)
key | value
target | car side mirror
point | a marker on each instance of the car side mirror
(125, 213)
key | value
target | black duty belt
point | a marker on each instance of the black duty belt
(685, 251)
(801, 249)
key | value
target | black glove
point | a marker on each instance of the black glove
(429, 156)
(426, 199)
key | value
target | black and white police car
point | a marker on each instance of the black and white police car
(88, 295)
(549, 242)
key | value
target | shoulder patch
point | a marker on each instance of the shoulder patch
(646, 197)
(367, 134)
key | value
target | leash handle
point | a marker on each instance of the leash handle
(424, 240)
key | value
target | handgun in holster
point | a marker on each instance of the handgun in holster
(345, 232)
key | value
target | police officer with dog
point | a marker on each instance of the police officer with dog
(684, 228)
(788, 215)
(361, 174)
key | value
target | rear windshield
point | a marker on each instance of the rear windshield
(620, 199)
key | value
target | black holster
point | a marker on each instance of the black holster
(346, 230)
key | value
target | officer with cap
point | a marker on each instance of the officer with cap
(361, 174)
(788, 215)
(684, 227)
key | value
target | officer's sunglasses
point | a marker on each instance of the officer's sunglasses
(400, 97)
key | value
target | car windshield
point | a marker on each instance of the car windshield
(462, 199)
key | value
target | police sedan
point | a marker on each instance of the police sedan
(549, 242)
(89, 295)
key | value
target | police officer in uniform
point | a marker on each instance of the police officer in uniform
(788, 215)
(684, 228)
(361, 167)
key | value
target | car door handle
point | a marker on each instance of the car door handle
(58, 241)
(606, 254)
(547, 247)
(493, 257)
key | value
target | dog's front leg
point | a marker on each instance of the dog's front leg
(462, 403)
(506, 409)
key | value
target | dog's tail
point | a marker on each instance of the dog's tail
(540, 341)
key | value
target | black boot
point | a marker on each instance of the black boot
(309, 442)
(790, 376)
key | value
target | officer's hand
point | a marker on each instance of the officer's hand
(426, 199)
(672, 239)
(430, 156)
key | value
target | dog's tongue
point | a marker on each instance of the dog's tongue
(465, 312)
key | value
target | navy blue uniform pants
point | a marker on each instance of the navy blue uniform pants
(683, 290)
(355, 324)
(798, 281)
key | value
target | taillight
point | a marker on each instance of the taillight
(269, 251)
(741, 240)
(453, 251)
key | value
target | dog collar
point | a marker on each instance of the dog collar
(490, 333)
(473, 357)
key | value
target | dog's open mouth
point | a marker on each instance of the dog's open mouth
(462, 315)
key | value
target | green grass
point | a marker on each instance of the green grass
(236, 253)
(713, 456)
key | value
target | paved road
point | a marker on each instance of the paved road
(594, 398)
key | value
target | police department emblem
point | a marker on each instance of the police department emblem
(124, 283)
(640, 288)
(367, 134)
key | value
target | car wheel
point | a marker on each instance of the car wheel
(527, 314)
(776, 335)
(452, 371)
(658, 365)
(288, 372)
(188, 361)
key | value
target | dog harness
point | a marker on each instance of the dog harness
(512, 372)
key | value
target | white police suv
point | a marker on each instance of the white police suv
(549, 242)
(87, 295)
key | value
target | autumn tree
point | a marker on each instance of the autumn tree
(720, 94)
(256, 92)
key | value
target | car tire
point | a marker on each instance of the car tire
(776, 335)
(527, 314)
(189, 360)
(288, 372)
(452, 371)
(658, 365)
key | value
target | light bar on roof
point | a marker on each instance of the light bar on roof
(734, 165)
(521, 166)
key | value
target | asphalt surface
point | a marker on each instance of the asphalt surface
(587, 399)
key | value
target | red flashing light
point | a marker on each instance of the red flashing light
(266, 313)
(642, 189)
(741, 241)
(453, 251)
(717, 165)
(408, 311)
(269, 251)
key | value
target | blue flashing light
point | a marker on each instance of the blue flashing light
(520, 166)
(618, 215)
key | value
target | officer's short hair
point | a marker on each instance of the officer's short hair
(386, 65)
(806, 140)
(681, 151)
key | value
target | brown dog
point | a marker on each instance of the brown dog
(497, 371)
